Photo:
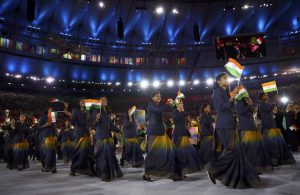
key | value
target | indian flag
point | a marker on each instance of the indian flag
(35, 120)
(269, 86)
(52, 117)
(6, 112)
(180, 95)
(132, 110)
(7, 120)
(234, 68)
(52, 100)
(242, 93)
(89, 103)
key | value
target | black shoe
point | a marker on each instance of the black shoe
(212, 179)
(72, 174)
(54, 171)
(177, 179)
(44, 170)
(91, 174)
(20, 169)
(148, 179)
(106, 180)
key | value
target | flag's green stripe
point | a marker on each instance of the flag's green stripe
(270, 90)
(233, 72)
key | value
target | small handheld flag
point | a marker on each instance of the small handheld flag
(242, 93)
(7, 120)
(6, 112)
(179, 97)
(89, 103)
(132, 110)
(52, 100)
(269, 86)
(52, 117)
(234, 68)
(35, 120)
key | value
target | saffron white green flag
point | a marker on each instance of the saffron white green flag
(89, 103)
(242, 93)
(52, 117)
(234, 68)
(269, 86)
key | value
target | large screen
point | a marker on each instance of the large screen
(244, 46)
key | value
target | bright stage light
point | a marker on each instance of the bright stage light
(284, 99)
(129, 84)
(209, 81)
(246, 6)
(159, 10)
(156, 84)
(196, 82)
(170, 83)
(175, 11)
(50, 80)
(18, 76)
(181, 82)
(144, 84)
(101, 4)
(118, 83)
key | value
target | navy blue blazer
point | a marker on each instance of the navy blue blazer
(206, 122)
(224, 108)
(47, 131)
(245, 117)
(155, 118)
(104, 125)
(266, 115)
(80, 122)
(66, 134)
(130, 128)
(21, 132)
(180, 126)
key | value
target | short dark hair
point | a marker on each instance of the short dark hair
(260, 95)
(204, 106)
(154, 93)
(220, 75)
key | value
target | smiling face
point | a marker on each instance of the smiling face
(156, 98)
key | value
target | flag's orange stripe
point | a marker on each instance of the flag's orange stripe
(92, 100)
(269, 83)
(236, 63)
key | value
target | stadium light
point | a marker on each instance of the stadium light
(209, 81)
(101, 4)
(144, 84)
(50, 80)
(129, 84)
(181, 82)
(170, 83)
(156, 84)
(196, 82)
(159, 10)
(284, 99)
